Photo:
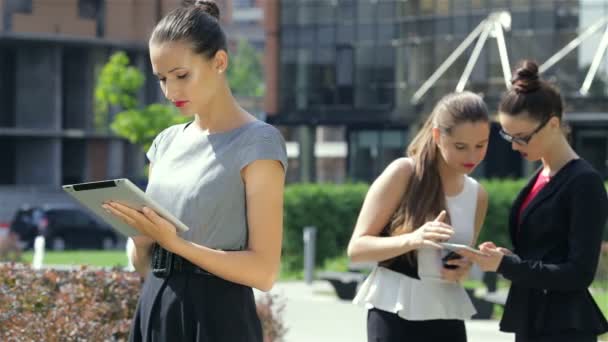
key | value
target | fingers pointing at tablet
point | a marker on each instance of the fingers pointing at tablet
(488, 262)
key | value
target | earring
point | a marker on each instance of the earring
(220, 71)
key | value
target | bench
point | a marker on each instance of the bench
(346, 283)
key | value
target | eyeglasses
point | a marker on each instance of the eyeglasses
(523, 141)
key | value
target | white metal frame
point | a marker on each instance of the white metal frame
(493, 25)
(597, 58)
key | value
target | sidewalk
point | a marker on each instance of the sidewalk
(315, 314)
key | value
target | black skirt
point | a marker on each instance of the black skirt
(383, 326)
(195, 307)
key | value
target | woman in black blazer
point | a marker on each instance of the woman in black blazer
(556, 223)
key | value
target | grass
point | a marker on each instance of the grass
(82, 257)
(116, 258)
(601, 298)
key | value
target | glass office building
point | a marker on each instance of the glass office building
(358, 63)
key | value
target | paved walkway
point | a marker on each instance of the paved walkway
(315, 314)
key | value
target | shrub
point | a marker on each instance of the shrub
(83, 305)
(332, 208)
(270, 308)
(501, 194)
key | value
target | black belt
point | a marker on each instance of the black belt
(165, 263)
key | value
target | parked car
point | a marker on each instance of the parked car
(64, 227)
(25, 225)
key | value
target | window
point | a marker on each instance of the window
(289, 37)
(366, 11)
(363, 155)
(366, 32)
(326, 35)
(73, 161)
(345, 13)
(9, 155)
(370, 151)
(19, 6)
(462, 25)
(543, 17)
(288, 78)
(94, 10)
(8, 91)
(386, 11)
(521, 18)
(325, 12)
(303, 72)
(427, 6)
(386, 33)
(344, 75)
(289, 13)
(346, 33)
(89, 9)
(306, 13)
(13, 6)
(306, 36)
(478, 4)
(323, 77)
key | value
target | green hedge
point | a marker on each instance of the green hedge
(333, 209)
(501, 194)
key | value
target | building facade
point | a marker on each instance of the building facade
(50, 54)
(356, 65)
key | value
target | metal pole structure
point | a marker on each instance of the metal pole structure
(310, 240)
(502, 51)
(448, 62)
(572, 45)
(474, 56)
(597, 59)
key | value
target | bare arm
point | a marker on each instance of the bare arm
(258, 266)
(381, 201)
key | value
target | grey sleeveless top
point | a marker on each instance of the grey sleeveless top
(197, 178)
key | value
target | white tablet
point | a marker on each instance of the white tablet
(94, 194)
(456, 246)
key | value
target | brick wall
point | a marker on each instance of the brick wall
(51, 16)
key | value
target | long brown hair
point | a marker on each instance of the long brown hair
(425, 198)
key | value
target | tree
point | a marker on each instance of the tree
(118, 85)
(245, 73)
(141, 126)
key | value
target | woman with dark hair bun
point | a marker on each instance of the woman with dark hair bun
(556, 223)
(221, 174)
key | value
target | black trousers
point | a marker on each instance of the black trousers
(574, 336)
(195, 307)
(385, 326)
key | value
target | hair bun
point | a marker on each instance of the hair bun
(207, 6)
(525, 79)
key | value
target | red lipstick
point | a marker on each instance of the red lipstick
(469, 165)
(180, 103)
